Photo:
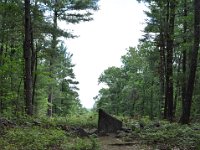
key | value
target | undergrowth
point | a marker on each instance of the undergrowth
(37, 138)
(88, 120)
(46, 133)
(29, 133)
(165, 135)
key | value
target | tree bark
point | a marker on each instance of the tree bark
(177, 87)
(2, 36)
(166, 32)
(169, 68)
(184, 60)
(162, 68)
(33, 66)
(185, 118)
(27, 58)
(35, 80)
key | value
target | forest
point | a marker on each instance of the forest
(155, 92)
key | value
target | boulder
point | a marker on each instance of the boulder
(108, 123)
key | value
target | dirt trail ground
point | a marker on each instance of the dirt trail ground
(112, 143)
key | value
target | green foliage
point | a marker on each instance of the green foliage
(132, 87)
(139, 86)
(46, 133)
(162, 134)
(34, 138)
(144, 120)
(83, 121)
(31, 138)
(51, 64)
(170, 135)
(81, 144)
(88, 120)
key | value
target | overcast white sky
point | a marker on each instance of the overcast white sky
(102, 42)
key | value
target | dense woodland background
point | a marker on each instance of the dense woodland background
(36, 72)
(155, 93)
(159, 78)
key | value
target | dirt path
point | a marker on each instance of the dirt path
(112, 143)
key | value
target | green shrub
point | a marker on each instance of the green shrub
(38, 138)
(31, 138)
(88, 120)
(172, 135)
(31, 133)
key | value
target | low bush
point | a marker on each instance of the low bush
(170, 135)
(37, 138)
(46, 133)
(88, 120)
(34, 138)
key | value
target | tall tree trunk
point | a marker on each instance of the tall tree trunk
(1, 56)
(162, 69)
(169, 69)
(27, 58)
(166, 32)
(1, 77)
(12, 87)
(34, 59)
(178, 86)
(143, 100)
(53, 49)
(151, 101)
(185, 118)
(184, 60)
(50, 101)
(35, 79)
(33, 66)
(3, 25)
(18, 96)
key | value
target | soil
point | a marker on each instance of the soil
(110, 142)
